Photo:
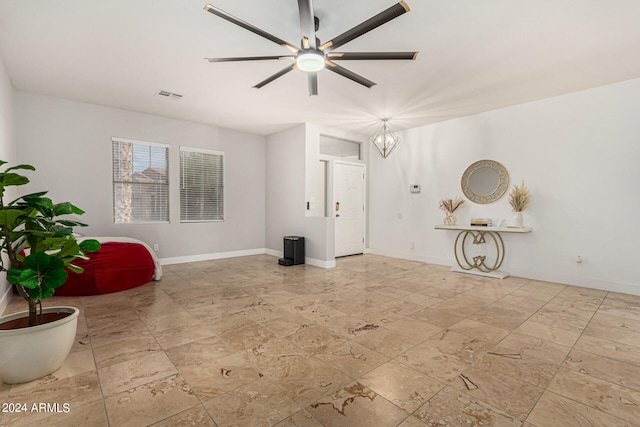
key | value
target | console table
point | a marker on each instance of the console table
(480, 235)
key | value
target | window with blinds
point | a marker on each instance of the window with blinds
(201, 185)
(140, 181)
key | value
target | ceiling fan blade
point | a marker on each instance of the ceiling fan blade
(275, 76)
(368, 25)
(332, 66)
(307, 23)
(313, 83)
(248, 58)
(351, 56)
(224, 15)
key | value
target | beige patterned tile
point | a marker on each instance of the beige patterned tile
(196, 416)
(91, 414)
(77, 391)
(480, 331)
(509, 367)
(136, 372)
(626, 307)
(311, 331)
(274, 356)
(160, 322)
(307, 379)
(555, 410)
(127, 349)
(401, 307)
(617, 322)
(355, 405)
(613, 399)
(417, 330)
(111, 319)
(573, 319)
(525, 345)
(117, 331)
(412, 421)
(210, 368)
(183, 334)
(462, 304)
(502, 315)
(299, 419)
(349, 327)
(352, 359)
(610, 349)
(247, 336)
(316, 339)
(463, 347)
(553, 333)
(614, 371)
(442, 319)
(259, 403)
(523, 302)
(401, 385)
(507, 394)
(620, 335)
(150, 402)
(430, 361)
(421, 299)
(385, 341)
(452, 408)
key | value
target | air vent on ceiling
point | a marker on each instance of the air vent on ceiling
(170, 95)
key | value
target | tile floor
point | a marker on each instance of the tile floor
(374, 342)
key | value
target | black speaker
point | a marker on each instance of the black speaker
(294, 249)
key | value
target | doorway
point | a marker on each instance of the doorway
(349, 207)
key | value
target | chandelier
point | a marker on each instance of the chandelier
(385, 140)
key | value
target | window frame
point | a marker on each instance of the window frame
(166, 215)
(221, 200)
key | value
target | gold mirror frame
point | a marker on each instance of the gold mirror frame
(501, 186)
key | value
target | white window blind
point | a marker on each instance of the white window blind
(201, 185)
(140, 181)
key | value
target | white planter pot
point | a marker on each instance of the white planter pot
(518, 220)
(27, 354)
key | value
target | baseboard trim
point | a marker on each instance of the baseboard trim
(211, 256)
(234, 254)
(409, 256)
(604, 285)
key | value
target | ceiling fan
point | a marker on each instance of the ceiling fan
(312, 56)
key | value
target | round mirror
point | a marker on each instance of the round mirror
(485, 181)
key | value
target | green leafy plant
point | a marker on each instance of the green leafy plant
(519, 198)
(37, 245)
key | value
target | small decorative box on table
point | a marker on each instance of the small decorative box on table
(480, 235)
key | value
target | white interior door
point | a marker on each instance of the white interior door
(349, 208)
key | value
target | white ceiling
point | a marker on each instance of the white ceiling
(474, 56)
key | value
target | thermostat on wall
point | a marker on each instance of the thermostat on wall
(414, 188)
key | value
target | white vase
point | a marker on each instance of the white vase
(450, 219)
(518, 221)
(27, 354)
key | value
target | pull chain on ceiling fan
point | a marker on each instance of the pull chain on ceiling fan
(312, 56)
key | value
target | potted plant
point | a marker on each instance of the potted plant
(38, 248)
(519, 201)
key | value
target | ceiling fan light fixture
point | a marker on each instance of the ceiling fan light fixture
(385, 140)
(310, 61)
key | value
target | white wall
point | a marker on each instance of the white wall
(7, 153)
(577, 153)
(70, 145)
(286, 197)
